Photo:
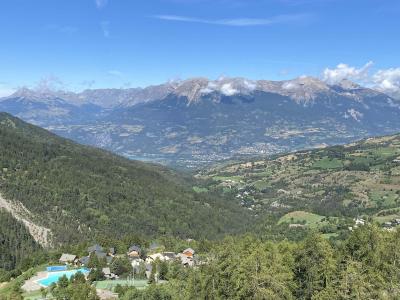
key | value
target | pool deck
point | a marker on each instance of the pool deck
(31, 284)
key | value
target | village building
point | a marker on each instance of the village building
(111, 251)
(186, 260)
(134, 252)
(99, 252)
(189, 252)
(169, 255)
(69, 259)
(84, 261)
(108, 274)
(163, 256)
(95, 248)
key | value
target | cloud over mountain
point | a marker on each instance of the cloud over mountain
(344, 71)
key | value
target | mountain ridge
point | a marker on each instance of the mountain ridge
(302, 88)
(198, 121)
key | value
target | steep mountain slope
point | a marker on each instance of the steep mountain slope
(200, 121)
(79, 192)
(16, 244)
(350, 180)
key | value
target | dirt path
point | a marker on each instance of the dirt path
(42, 235)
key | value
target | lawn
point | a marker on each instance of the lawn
(302, 217)
(111, 284)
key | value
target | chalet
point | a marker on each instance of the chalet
(99, 252)
(134, 252)
(169, 255)
(108, 274)
(189, 252)
(387, 225)
(154, 257)
(102, 256)
(84, 261)
(186, 260)
(359, 222)
(164, 256)
(68, 259)
(111, 251)
(95, 248)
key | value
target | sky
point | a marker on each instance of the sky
(79, 44)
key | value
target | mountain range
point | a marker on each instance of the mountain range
(199, 121)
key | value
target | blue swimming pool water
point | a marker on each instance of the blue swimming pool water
(56, 268)
(54, 276)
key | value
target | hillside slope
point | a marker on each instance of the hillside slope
(79, 192)
(363, 177)
(16, 244)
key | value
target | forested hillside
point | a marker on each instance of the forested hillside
(79, 192)
(17, 246)
(363, 266)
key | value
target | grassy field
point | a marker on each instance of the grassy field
(111, 284)
(36, 295)
(198, 189)
(302, 217)
(328, 163)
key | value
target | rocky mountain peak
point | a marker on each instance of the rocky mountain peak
(303, 89)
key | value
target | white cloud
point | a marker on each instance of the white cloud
(385, 80)
(250, 85)
(105, 27)
(238, 22)
(228, 90)
(290, 85)
(344, 71)
(388, 81)
(101, 3)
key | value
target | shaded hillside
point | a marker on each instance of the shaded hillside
(359, 178)
(16, 244)
(78, 191)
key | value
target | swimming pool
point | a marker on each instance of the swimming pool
(56, 268)
(54, 276)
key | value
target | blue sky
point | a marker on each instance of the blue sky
(80, 44)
